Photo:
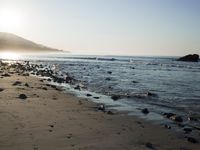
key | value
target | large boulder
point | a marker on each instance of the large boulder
(191, 58)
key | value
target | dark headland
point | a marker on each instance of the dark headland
(190, 58)
(9, 41)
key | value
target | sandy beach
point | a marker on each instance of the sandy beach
(37, 116)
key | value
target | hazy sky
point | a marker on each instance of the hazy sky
(128, 27)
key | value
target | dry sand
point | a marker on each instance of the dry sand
(50, 119)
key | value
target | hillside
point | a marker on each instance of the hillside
(15, 43)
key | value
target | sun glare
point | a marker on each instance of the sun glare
(9, 56)
(10, 19)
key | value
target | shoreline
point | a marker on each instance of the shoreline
(48, 118)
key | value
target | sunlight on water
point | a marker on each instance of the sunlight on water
(9, 56)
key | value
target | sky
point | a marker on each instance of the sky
(107, 27)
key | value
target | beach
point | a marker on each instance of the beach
(35, 115)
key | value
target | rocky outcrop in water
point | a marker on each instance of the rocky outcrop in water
(190, 58)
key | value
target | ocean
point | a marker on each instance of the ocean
(161, 84)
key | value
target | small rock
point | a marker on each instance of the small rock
(115, 97)
(88, 95)
(176, 118)
(22, 96)
(192, 140)
(17, 83)
(26, 84)
(109, 72)
(96, 97)
(5, 75)
(167, 126)
(149, 145)
(145, 111)
(168, 115)
(110, 113)
(108, 79)
(1, 90)
(187, 130)
(44, 88)
(101, 107)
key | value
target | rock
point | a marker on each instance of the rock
(134, 82)
(149, 145)
(101, 107)
(44, 88)
(115, 97)
(109, 72)
(5, 75)
(145, 111)
(187, 130)
(151, 94)
(176, 118)
(167, 126)
(168, 115)
(22, 96)
(26, 84)
(17, 83)
(1, 90)
(53, 86)
(190, 58)
(88, 95)
(77, 88)
(25, 74)
(96, 97)
(110, 113)
(108, 79)
(192, 140)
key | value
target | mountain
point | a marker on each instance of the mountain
(12, 42)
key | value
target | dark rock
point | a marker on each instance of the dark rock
(17, 83)
(150, 145)
(108, 79)
(167, 126)
(190, 58)
(151, 94)
(176, 118)
(1, 90)
(134, 82)
(168, 115)
(109, 72)
(145, 111)
(49, 79)
(115, 97)
(96, 97)
(192, 119)
(26, 84)
(53, 86)
(5, 75)
(77, 88)
(69, 79)
(44, 88)
(88, 95)
(110, 113)
(25, 74)
(192, 140)
(187, 130)
(101, 107)
(22, 96)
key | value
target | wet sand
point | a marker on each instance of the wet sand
(45, 118)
